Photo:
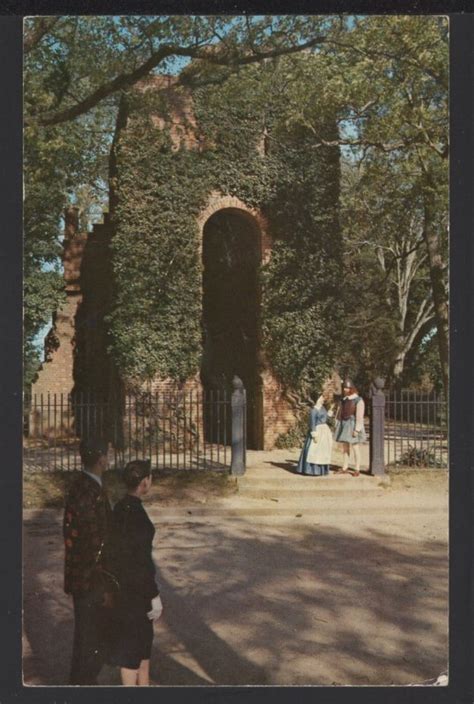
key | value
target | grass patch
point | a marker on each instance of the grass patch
(415, 477)
(170, 487)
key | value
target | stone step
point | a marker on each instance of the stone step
(287, 478)
(324, 508)
(359, 502)
(285, 494)
(294, 485)
(289, 471)
(235, 507)
(301, 515)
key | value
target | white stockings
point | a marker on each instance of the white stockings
(346, 450)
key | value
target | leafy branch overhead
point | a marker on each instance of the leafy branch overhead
(229, 42)
(373, 88)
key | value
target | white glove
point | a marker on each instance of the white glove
(319, 403)
(314, 435)
(156, 609)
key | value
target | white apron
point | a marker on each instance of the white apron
(320, 449)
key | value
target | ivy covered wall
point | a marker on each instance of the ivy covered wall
(166, 162)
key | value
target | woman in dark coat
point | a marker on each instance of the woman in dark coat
(138, 602)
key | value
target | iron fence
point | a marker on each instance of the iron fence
(416, 429)
(193, 429)
(175, 430)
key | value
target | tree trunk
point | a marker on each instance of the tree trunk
(436, 267)
(398, 366)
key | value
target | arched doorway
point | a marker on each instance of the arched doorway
(231, 255)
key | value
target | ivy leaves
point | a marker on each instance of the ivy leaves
(156, 322)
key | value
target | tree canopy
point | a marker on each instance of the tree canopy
(387, 78)
(384, 78)
(76, 69)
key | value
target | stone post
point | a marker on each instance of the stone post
(377, 428)
(237, 466)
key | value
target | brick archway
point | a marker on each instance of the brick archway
(277, 414)
(217, 201)
(231, 255)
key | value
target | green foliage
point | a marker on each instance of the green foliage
(62, 164)
(302, 280)
(295, 436)
(386, 78)
(383, 79)
(31, 364)
(155, 324)
(386, 268)
(421, 457)
(423, 366)
(88, 59)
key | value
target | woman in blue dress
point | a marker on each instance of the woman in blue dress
(315, 456)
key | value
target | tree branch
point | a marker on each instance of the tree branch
(43, 25)
(364, 143)
(374, 54)
(423, 317)
(370, 243)
(125, 80)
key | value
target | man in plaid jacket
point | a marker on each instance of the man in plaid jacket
(87, 520)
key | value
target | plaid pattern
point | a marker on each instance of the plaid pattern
(87, 519)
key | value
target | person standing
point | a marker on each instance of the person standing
(315, 456)
(138, 601)
(87, 517)
(350, 425)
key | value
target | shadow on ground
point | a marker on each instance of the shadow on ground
(247, 604)
(288, 466)
(291, 465)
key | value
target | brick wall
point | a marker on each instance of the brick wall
(69, 366)
(76, 357)
(56, 374)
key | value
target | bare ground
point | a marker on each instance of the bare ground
(352, 588)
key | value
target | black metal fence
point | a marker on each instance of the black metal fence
(207, 430)
(416, 429)
(175, 430)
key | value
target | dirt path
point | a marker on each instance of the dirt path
(352, 592)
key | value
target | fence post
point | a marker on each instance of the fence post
(377, 428)
(237, 466)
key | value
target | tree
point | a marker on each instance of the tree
(76, 69)
(423, 370)
(384, 77)
(383, 224)
(413, 74)
(387, 77)
(96, 57)
(59, 163)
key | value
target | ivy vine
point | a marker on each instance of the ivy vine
(247, 151)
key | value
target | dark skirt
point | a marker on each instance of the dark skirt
(131, 635)
(309, 468)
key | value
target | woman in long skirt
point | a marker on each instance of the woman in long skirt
(315, 456)
(350, 426)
